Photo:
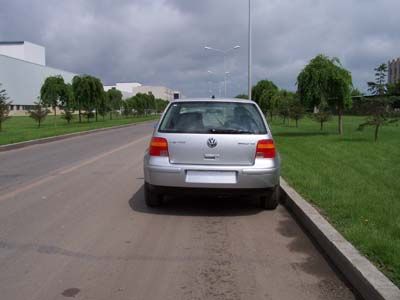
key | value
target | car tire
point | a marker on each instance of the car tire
(151, 197)
(270, 201)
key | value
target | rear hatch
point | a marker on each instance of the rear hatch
(212, 132)
(212, 149)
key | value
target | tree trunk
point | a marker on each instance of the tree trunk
(340, 120)
(96, 114)
(376, 132)
(322, 125)
(80, 114)
(297, 123)
(1, 125)
(39, 123)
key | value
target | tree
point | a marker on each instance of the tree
(296, 110)
(284, 107)
(149, 102)
(340, 86)
(89, 103)
(160, 105)
(39, 113)
(104, 105)
(97, 93)
(393, 89)
(139, 103)
(262, 86)
(68, 103)
(324, 80)
(88, 92)
(380, 114)
(4, 107)
(263, 93)
(263, 101)
(288, 106)
(279, 104)
(79, 92)
(68, 115)
(85, 93)
(114, 99)
(378, 87)
(312, 82)
(127, 107)
(53, 93)
(322, 116)
(68, 98)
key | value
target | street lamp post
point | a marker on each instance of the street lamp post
(225, 76)
(250, 53)
(224, 53)
(210, 82)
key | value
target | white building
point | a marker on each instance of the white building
(160, 92)
(22, 72)
(130, 89)
(125, 88)
(394, 71)
(24, 51)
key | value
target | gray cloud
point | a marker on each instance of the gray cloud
(161, 42)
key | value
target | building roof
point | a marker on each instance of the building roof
(12, 42)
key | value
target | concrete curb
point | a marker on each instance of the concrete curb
(64, 136)
(368, 281)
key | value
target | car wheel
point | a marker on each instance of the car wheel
(271, 200)
(151, 197)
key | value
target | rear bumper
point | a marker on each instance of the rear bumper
(214, 192)
(262, 175)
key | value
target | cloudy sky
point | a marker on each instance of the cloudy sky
(161, 42)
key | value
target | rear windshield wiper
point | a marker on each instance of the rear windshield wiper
(230, 131)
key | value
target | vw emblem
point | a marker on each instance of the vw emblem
(212, 143)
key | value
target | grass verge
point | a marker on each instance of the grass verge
(19, 129)
(354, 181)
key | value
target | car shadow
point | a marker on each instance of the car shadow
(197, 206)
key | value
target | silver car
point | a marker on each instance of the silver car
(212, 146)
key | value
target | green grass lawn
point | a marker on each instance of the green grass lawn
(353, 180)
(18, 129)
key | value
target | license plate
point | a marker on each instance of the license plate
(226, 177)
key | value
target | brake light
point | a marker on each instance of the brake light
(265, 149)
(158, 147)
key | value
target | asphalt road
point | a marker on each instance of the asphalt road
(73, 224)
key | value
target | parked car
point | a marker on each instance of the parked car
(212, 146)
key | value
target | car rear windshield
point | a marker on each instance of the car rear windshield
(213, 117)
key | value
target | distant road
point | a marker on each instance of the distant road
(73, 223)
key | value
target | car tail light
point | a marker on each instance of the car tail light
(265, 149)
(158, 147)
